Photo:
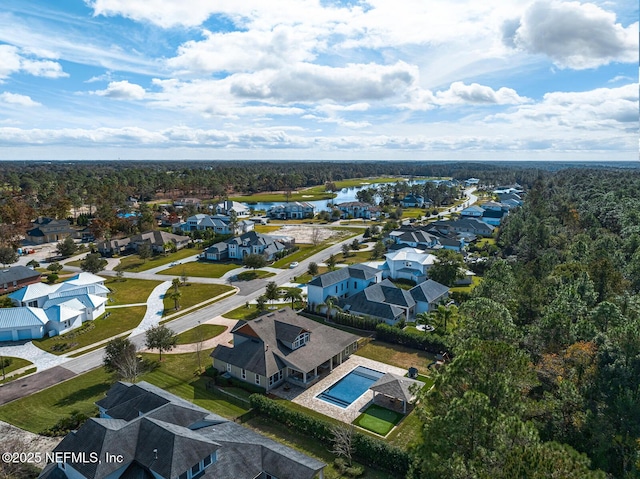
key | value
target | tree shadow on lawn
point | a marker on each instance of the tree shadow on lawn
(84, 394)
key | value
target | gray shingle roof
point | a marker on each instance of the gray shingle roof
(357, 271)
(428, 291)
(264, 351)
(382, 300)
(397, 387)
(17, 273)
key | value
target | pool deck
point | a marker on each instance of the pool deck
(307, 397)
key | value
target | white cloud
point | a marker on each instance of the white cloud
(43, 68)
(122, 90)
(574, 35)
(17, 99)
(13, 61)
(459, 93)
(306, 82)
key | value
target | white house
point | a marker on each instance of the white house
(359, 209)
(220, 224)
(415, 201)
(341, 283)
(48, 310)
(407, 263)
(248, 243)
(227, 207)
(293, 210)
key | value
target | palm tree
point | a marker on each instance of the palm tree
(260, 302)
(330, 303)
(175, 296)
(176, 284)
(444, 314)
(294, 295)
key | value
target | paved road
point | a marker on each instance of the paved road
(249, 291)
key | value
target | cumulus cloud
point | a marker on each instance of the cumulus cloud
(17, 99)
(13, 61)
(307, 82)
(122, 90)
(574, 35)
(459, 93)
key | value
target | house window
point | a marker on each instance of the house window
(355, 285)
(195, 469)
(257, 379)
(228, 367)
(183, 476)
(207, 460)
(244, 374)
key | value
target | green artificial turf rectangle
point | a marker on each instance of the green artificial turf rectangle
(378, 419)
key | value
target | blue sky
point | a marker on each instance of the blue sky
(304, 79)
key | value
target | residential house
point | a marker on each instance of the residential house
(473, 226)
(48, 310)
(113, 247)
(407, 263)
(413, 201)
(17, 277)
(383, 301)
(471, 182)
(473, 211)
(186, 202)
(220, 224)
(228, 207)
(293, 210)
(359, 209)
(428, 295)
(341, 283)
(283, 346)
(415, 238)
(248, 243)
(49, 230)
(144, 432)
(157, 240)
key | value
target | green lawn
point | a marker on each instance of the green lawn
(202, 332)
(193, 294)
(254, 274)
(133, 263)
(243, 313)
(119, 321)
(378, 419)
(396, 355)
(475, 281)
(264, 229)
(355, 257)
(129, 291)
(407, 433)
(177, 375)
(42, 410)
(201, 269)
(16, 363)
(75, 263)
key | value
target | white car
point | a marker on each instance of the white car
(293, 264)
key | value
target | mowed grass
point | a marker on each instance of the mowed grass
(202, 332)
(243, 312)
(133, 263)
(201, 269)
(192, 294)
(129, 291)
(378, 419)
(396, 355)
(177, 374)
(264, 229)
(43, 409)
(407, 433)
(119, 321)
(475, 281)
(16, 363)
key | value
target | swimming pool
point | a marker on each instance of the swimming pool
(350, 387)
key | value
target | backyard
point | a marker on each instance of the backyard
(378, 419)
(397, 355)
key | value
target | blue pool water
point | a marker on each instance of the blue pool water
(350, 387)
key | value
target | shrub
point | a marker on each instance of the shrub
(367, 449)
(222, 381)
(430, 342)
(65, 425)
(6, 362)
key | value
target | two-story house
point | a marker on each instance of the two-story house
(341, 283)
(248, 243)
(359, 209)
(228, 207)
(283, 346)
(49, 230)
(293, 210)
(407, 263)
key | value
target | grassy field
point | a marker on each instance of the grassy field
(243, 313)
(133, 263)
(118, 321)
(355, 257)
(377, 419)
(42, 410)
(408, 432)
(307, 250)
(193, 294)
(475, 281)
(129, 291)
(249, 275)
(201, 269)
(396, 355)
(16, 363)
(202, 332)
(265, 229)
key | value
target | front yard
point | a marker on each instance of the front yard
(192, 294)
(201, 269)
(133, 263)
(129, 291)
(202, 332)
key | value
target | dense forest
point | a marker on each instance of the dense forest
(545, 380)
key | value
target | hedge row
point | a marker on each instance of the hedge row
(354, 321)
(430, 342)
(367, 450)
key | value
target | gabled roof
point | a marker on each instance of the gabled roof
(84, 278)
(472, 209)
(33, 291)
(356, 271)
(61, 312)
(266, 353)
(428, 291)
(23, 317)
(383, 300)
(397, 387)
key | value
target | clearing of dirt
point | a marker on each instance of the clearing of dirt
(305, 233)
(15, 439)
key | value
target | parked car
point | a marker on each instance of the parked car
(293, 264)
